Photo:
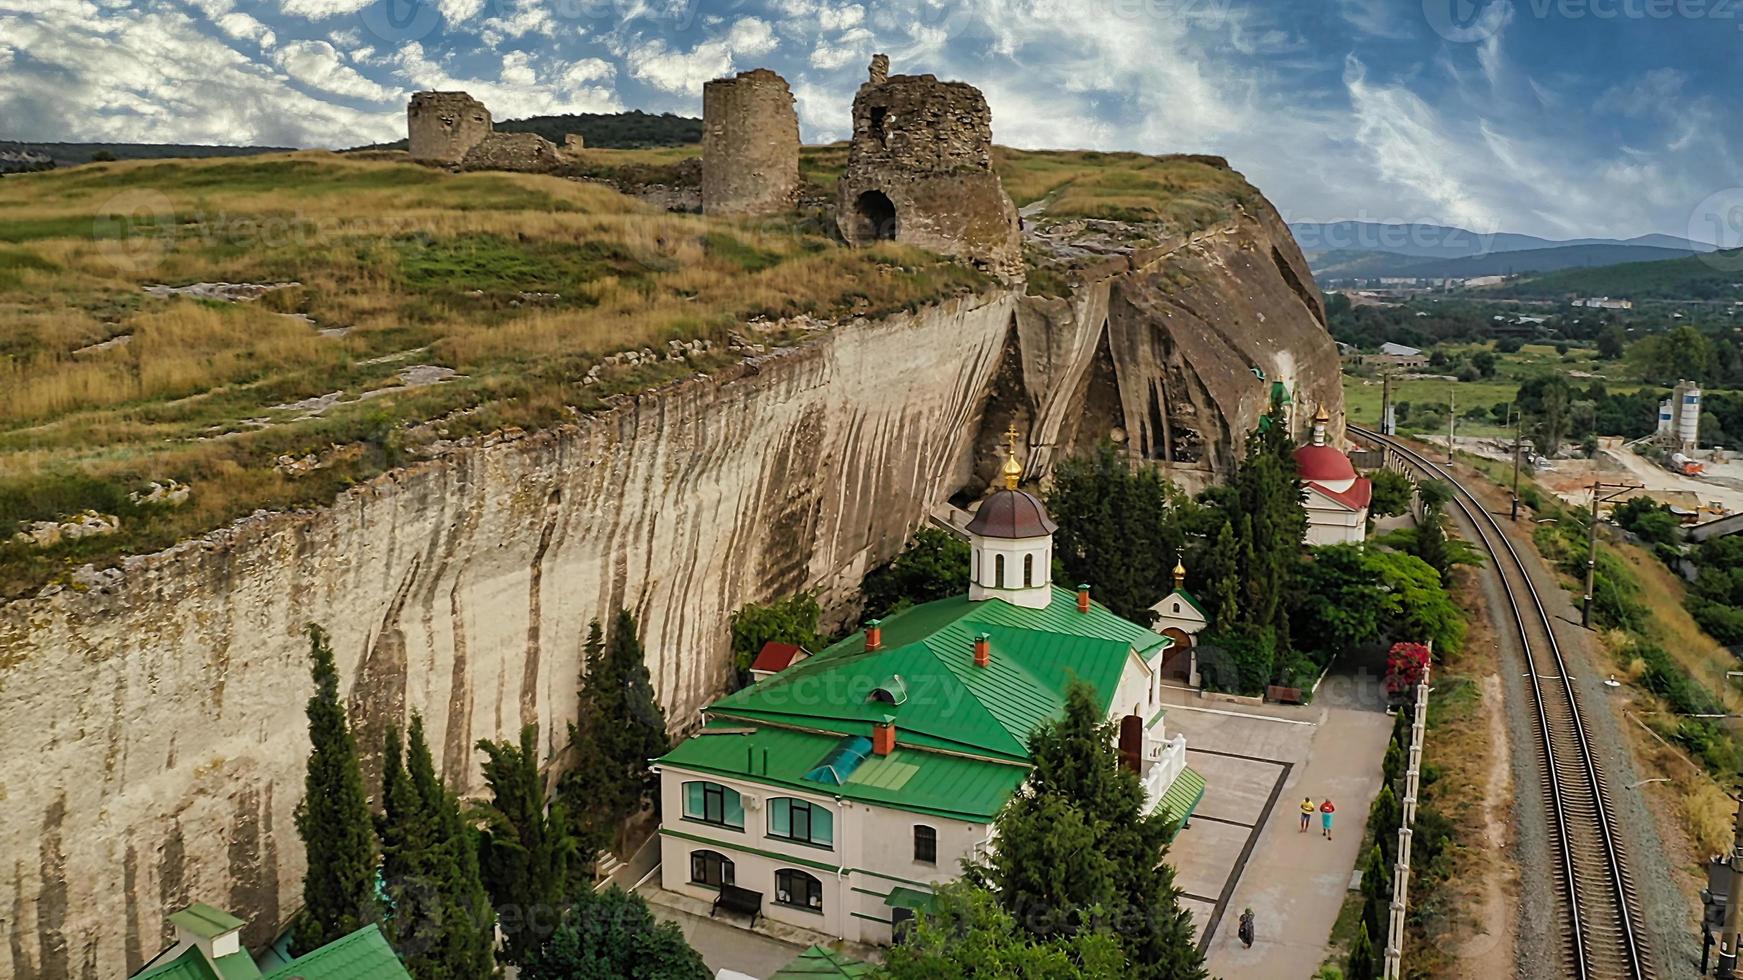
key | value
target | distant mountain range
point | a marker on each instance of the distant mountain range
(1361, 249)
(1711, 277)
(73, 154)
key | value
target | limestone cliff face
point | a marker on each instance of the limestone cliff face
(154, 725)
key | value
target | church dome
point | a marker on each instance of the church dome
(1012, 514)
(1323, 464)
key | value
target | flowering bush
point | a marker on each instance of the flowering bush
(1406, 666)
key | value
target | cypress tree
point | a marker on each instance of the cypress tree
(526, 846)
(1220, 573)
(637, 721)
(1363, 963)
(333, 820)
(594, 797)
(1377, 892)
(407, 842)
(463, 945)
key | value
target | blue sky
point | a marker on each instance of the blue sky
(1561, 118)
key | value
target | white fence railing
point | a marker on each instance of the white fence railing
(1401, 871)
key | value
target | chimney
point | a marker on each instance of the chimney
(884, 736)
(874, 634)
(983, 650)
(216, 933)
(1083, 598)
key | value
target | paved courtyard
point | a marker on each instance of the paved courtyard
(728, 945)
(1244, 849)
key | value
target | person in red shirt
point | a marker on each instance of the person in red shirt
(1325, 812)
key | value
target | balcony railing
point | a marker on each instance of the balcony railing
(1163, 760)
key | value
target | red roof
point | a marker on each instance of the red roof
(775, 657)
(1323, 464)
(1356, 497)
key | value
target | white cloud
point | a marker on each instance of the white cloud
(751, 36)
(317, 64)
(323, 9)
(152, 76)
(457, 12)
(679, 72)
(508, 99)
(588, 70)
(245, 28)
(517, 69)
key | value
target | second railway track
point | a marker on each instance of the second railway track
(1599, 906)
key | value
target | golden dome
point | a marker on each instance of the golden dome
(1012, 470)
(1321, 416)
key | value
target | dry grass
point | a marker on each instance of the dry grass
(519, 283)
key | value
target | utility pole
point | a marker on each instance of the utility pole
(1614, 490)
(1518, 418)
(1386, 404)
(1452, 415)
(1732, 935)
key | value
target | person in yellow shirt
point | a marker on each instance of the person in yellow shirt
(1306, 812)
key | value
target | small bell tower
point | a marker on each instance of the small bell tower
(1011, 541)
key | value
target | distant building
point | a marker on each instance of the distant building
(1336, 498)
(1399, 350)
(1604, 303)
(1479, 282)
(208, 946)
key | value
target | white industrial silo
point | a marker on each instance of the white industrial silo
(1688, 415)
(1667, 418)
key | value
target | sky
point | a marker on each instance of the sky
(1559, 118)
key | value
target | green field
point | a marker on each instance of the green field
(1362, 393)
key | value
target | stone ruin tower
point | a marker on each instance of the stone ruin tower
(750, 145)
(919, 170)
(442, 126)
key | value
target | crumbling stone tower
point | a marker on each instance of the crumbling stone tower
(919, 170)
(750, 145)
(442, 126)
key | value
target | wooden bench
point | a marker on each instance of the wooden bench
(741, 900)
(1284, 695)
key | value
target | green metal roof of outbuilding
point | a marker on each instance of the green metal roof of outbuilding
(362, 955)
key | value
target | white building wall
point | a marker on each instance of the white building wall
(984, 582)
(873, 852)
(1328, 523)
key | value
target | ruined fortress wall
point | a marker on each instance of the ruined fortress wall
(919, 170)
(442, 126)
(154, 729)
(750, 145)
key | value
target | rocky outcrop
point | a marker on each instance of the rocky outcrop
(153, 714)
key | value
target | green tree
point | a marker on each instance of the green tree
(1612, 342)
(1376, 893)
(463, 941)
(619, 727)
(614, 936)
(933, 566)
(333, 818)
(789, 620)
(1484, 362)
(1674, 355)
(526, 847)
(1392, 493)
(1118, 528)
(1219, 577)
(1079, 846)
(1240, 660)
(967, 934)
(1426, 613)
(1264, 504)
(1430, 543)
(1340, 604)
(407, 833)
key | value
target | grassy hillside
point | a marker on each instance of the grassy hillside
(73, 154)
(1718, 276)
(516, 284)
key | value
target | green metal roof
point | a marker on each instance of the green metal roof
(363, 955)
(205, 921)
(1192, 601)
(191, 965)
(933, 783)
(819, 962)
(951, 703)
(1181, 798)
(902, 897)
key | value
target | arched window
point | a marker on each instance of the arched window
(713, 803)
(710, 868)
(796, 889)
(797, 820)
(1028, 570)
(998, 571)
(925, 844)
(976, 572)
(1177, 607)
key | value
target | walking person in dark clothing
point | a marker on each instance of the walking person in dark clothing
(1246, 931)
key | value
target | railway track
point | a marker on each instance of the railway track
(1603, 937)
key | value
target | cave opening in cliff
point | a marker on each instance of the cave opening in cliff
(876, 215)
